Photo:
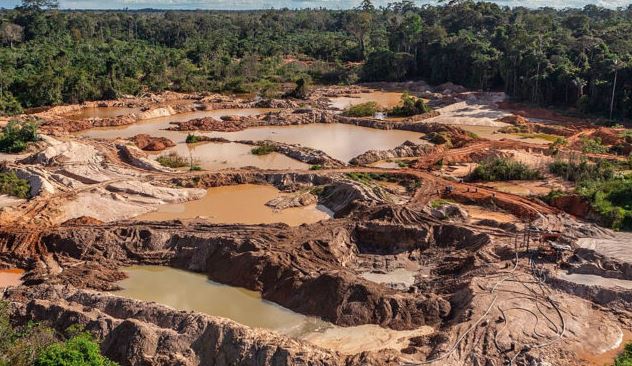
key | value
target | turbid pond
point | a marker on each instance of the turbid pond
(243, 204)
(194, 292)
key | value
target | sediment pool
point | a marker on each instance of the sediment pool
(194, 292)
(227, 205)
(382, 98)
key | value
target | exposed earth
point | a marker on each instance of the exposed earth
(376, 238)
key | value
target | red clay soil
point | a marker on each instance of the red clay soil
(541, 113)
(573, 204)
(149, 143)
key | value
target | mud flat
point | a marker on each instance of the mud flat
(382, 98)
(101, 112)
(244, 204)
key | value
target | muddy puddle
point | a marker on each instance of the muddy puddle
(10, 277)
(240, 204)
(382, 98)
(184, 290)
(607, 357)
(101, 112)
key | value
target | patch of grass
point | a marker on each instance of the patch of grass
(195, 168)
(500, 169)
(16, 135)
(367, 109)
(11, 185)
(440, 202)
(316, 167)
(263, 149)
(173, 160)
(541, 136)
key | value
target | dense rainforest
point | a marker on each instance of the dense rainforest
(575, 58)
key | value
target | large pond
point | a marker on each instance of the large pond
(226, 205)
(184, 290)
(340, 141)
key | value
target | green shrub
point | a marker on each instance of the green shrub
(593, 146)
(367, 109)
(410, 106)
(173, 160)
(583, 171)
(316, 167)
(16, 135)
(80, 350)
(612, 199)
(9, 105)
(192, 138)
(500, 169)
(195, 168)
(625, 357)
(264, 149)
(541, 136)
(11, 185)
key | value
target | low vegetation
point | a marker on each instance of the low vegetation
(583, 171)
(173, 160)
(16, 135)
(501, 169)
(316, 167)
(192, 139)
(440, 202)
(608, 191)
(410, 106)
(625, 357)
(363, 177)
(11, 185)
(367, 109)
(593, 146)
(37, 345)
(541, 136)
(264, 149)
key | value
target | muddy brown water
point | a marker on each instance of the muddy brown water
(340, 141)
(10, 277)
(184, 290)
(382, 98)
(240, 204)
(101, 112)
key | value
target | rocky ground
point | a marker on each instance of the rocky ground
(390, 256)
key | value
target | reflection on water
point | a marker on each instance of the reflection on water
(244, 204)
(101, 112)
